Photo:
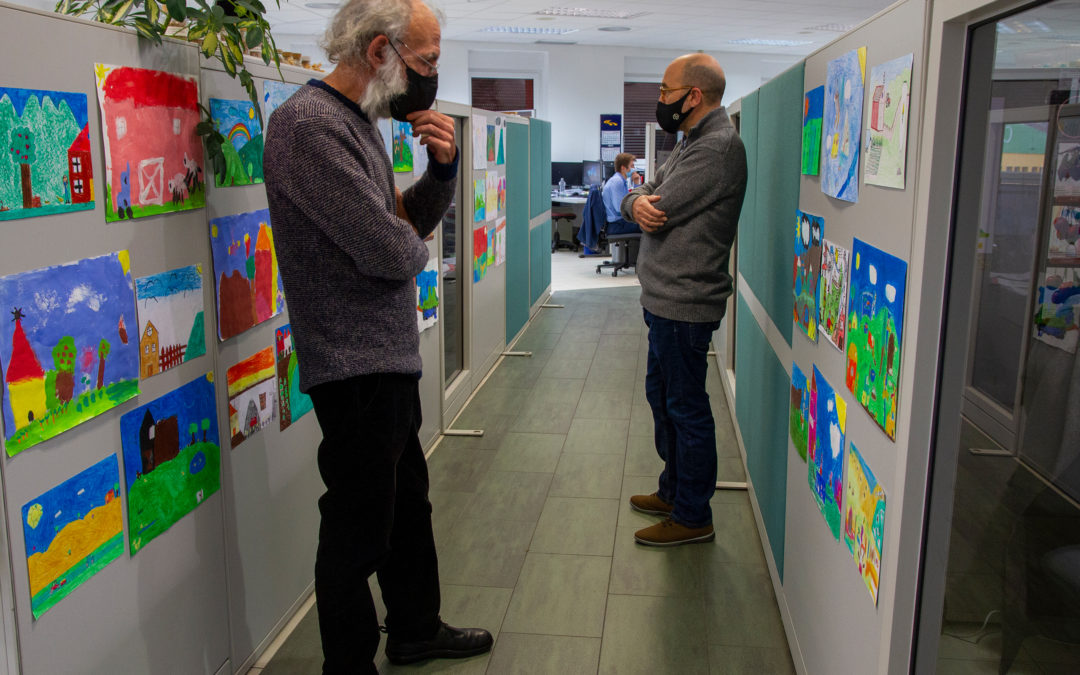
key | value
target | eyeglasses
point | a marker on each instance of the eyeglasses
(432, 68)
(664, 91)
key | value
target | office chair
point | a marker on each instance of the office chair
(624, 248)
(558, 242)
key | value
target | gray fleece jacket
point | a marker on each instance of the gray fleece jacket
(347, 261)
(683, 266)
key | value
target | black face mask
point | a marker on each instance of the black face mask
(670, 115)
(419, 95)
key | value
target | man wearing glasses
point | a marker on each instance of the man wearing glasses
(349, 246)
(689, 214)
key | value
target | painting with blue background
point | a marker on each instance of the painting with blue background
(70, 501)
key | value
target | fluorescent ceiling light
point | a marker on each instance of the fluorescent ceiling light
(614, 29)
(832, 27)
(528, 30)
(591, 13)
(770, 43)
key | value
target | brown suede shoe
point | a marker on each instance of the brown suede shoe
(650, 504)
(670, 533)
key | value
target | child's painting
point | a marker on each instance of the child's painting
(294, 403)
(864, 519)
(887, 123)
(799, 410)
(65, 353)
(842, 124)
(45, 167)
(172, 458)
(1064, 233)
(500, 241)
(491, 152)
(238, 121)
(172, 328)
(806, 271)
(480, 200)
(251, 395)
(249, 288)
(491, 199)
(274, 94)
(403, 147)
(813, 105)
(500, 152)
(833, 297)
(1057, 308)
(825, 447)
(427, 295)
(502, 195)
(480, 253)
(1067, 171)
(72, 532)
(876, 294)
(479, 142)
(153, 157)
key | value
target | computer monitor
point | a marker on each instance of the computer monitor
(592, 172)
(570, 172)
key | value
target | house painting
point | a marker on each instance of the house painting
(878, 104)
(80, 171)
(153, 157)
(149, 359)
(25, 377)
(252, 388)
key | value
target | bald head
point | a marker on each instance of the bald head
(701, 71)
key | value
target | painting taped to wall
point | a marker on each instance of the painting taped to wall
(479, 142)
(251, 395)
(248, 284)
(427, 296)
(799, 410)
(813, 105)
(864, 519)
(403, 147)
(66, 356)
(500, 241)
(887, 123)
(806, 271)
(46, 168)
(172, 328)
(876, 295)
(491, 199)
(172, 458)
(1057, 308)
(153, 157)
(480, 253)
(480, 200)
(72, 532)
(825, 449)
(500, 130)
(293, 403)
(833, 296)
(274, 94)
(842, 122)
(238, 121)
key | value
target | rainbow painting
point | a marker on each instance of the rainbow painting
(238, 122)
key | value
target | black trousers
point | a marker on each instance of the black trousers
(376, 518)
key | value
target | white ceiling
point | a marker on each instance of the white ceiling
(683, 25)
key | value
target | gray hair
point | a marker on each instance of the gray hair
(708, 80)
(359, 22)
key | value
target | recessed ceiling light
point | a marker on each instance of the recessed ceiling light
(322, 5)
(591, 13)
(770, 43)
(528, 30)
(614, 29)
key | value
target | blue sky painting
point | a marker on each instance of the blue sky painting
(843, 125)
(274, 94)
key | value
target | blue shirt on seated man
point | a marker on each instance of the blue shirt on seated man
(617, 187)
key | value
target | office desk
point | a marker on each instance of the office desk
(570, 204)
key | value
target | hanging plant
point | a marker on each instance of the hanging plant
(223, 31)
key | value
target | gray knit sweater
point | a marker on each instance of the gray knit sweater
(347, 261)
(683, 266)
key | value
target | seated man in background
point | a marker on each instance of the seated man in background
(617, 187)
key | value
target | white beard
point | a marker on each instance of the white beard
(388, 82)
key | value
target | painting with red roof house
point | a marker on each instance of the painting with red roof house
(45, 165)
(249, 288)
(153, 157)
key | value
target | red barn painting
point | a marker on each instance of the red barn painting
(153, 157)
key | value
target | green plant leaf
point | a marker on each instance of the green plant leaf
(177, 9)
(121, 11)
(62, 7)
(219, 12)
(152, 12)
(147, 30)
(209, 44)
(237, 52)
(254, 36)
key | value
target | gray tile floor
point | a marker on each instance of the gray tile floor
(535, 535)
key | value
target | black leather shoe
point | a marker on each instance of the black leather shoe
(447, 643)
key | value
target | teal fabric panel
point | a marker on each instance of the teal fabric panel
(746, 241)
(761, 399)
(540, 167)
(517, 228)
(776, 172)
(536, 270)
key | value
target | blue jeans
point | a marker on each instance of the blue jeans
(684, 429)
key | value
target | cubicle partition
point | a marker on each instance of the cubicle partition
(539, 212)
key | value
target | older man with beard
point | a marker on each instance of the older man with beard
(349, 245)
